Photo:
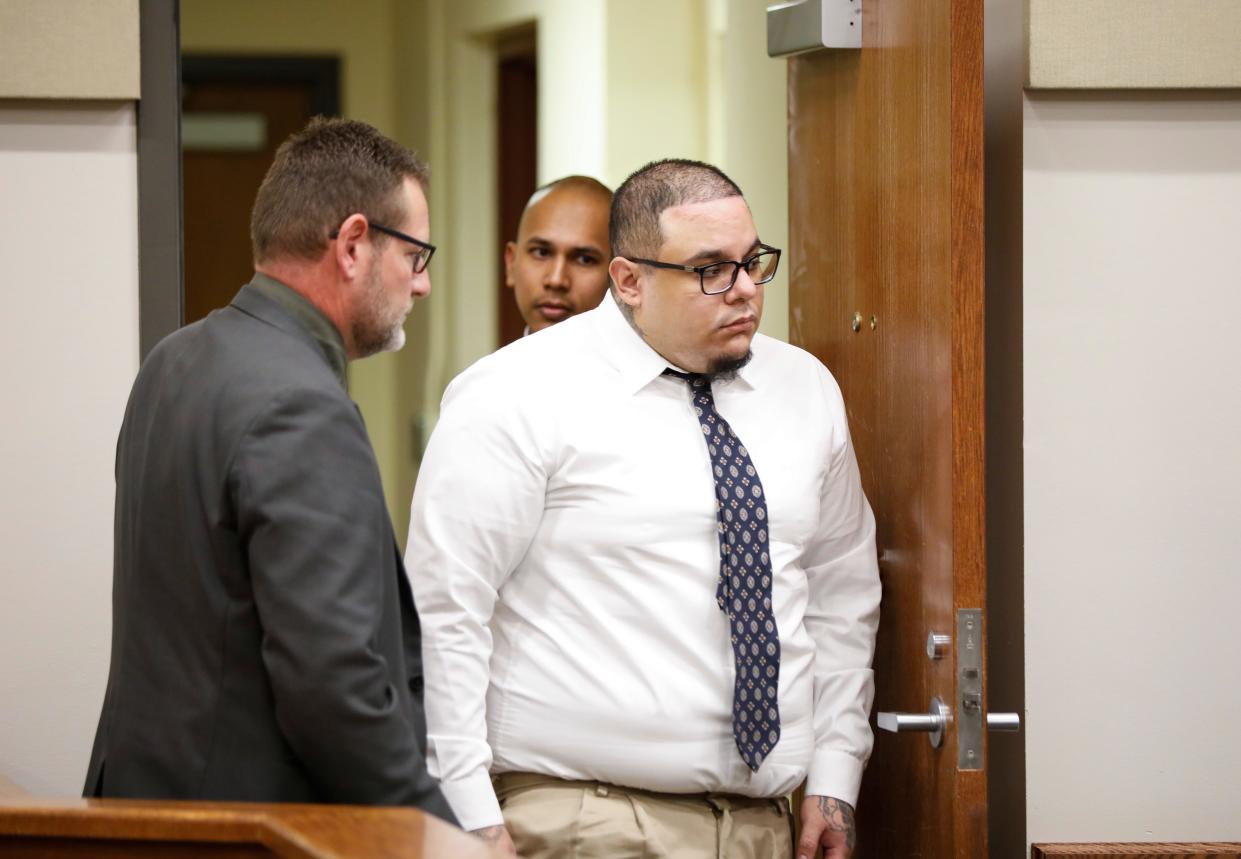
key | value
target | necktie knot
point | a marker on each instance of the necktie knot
(699, 384)
(697, 380)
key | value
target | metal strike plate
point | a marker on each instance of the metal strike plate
(970, 718)
(797, 26)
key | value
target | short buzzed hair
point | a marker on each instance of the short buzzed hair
(633, 228)
(321, 175)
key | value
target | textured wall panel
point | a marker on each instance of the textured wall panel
(75, 49)
(1133, 44)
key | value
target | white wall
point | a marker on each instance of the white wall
(69, 239)
(1132, 415)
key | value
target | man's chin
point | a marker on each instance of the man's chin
(725, 367)
(397, 341)
(368, 346)
(547, 317)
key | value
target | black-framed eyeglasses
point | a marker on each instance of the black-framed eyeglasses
(421, 259)
(719, 276)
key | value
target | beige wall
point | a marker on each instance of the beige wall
(1133, 44)
(363, 37)
(69, 238)
(83, 49)
(656, 66)
(412, 30)
(1132, 414)
(748, 132)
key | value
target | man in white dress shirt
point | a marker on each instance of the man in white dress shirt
(628, 533)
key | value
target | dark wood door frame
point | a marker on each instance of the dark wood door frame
(161, 263)
(320, 73)
(517, 108)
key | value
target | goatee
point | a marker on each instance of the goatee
(725, 369)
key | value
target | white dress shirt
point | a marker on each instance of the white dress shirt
(564, 555)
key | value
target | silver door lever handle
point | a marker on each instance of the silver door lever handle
(932, 723)
(936, 721)
(899, 723)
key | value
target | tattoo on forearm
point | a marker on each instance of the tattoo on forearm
(839, 817)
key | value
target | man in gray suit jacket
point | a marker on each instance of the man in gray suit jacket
(265, 644)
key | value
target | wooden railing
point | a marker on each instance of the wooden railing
(1138, 850)
(107, 828)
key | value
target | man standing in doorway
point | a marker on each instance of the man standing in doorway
(650, 591)
(265, 644)
(558, 265)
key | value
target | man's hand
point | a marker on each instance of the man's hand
(828, 823)
(498, 837)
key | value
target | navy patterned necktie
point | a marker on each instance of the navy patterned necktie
(744, 589)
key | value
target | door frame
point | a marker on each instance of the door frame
(1003, 189)
(161, 258)
(320, 73)
(517, 111)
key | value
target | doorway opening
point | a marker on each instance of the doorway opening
(517, 122)
(235, 112)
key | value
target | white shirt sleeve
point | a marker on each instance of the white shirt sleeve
(477, 504)
(842, 617)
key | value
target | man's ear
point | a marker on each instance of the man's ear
(353, 232)
(510, 253)
(624, 275)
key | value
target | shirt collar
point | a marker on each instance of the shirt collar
(634, 359)
(310, 318)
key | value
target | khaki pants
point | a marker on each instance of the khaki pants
(551, 818)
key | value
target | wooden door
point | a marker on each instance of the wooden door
(886, 252)
(517, 112)
(264, 100)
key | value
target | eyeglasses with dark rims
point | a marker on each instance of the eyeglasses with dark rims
(421, 259)
(719, 276)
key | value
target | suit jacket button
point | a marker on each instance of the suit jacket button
(415, 685)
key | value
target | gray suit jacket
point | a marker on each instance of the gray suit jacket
(265, 644)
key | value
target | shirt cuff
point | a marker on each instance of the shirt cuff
(473, 800)
(835, 774)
